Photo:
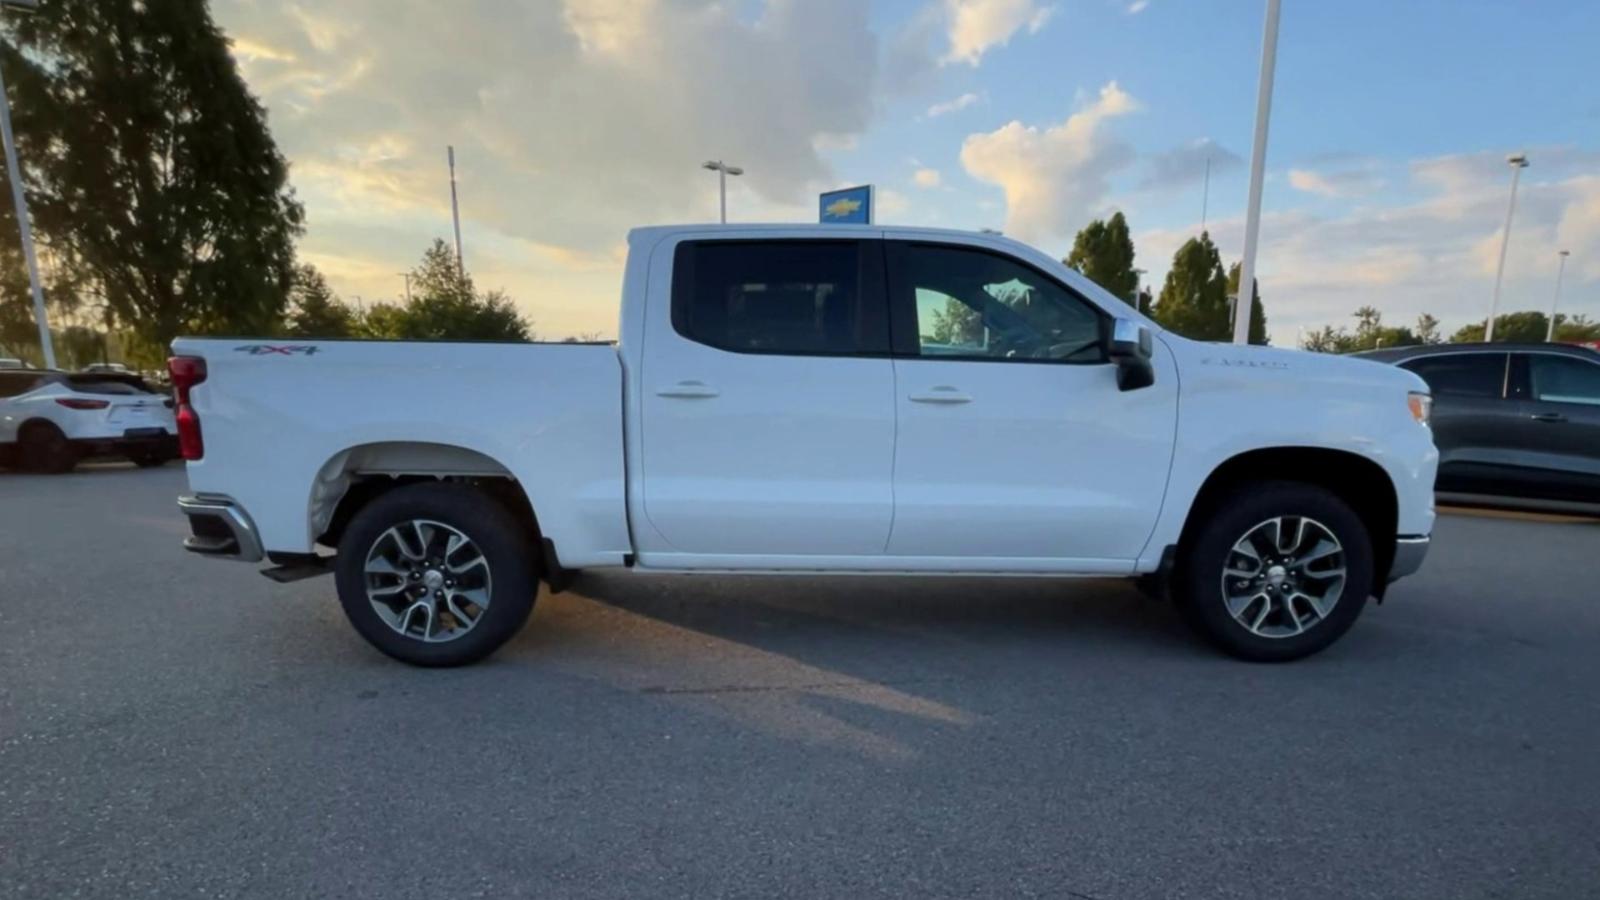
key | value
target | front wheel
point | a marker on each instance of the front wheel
(41, 447)
(1278, 572)
(436, 574)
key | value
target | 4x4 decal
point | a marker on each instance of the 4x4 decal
(285, 349)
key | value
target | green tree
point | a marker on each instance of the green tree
(445, 305)
(314, 311)
(1258, 313)
(1370, 333)
(1530, 327)
(955, 324)
(1194, 299)
(152, 174)
(1103, 251)
(1428, 330)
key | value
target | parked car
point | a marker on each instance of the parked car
(50, 420)
(1513, 420)
(795, 400)
(7, 362)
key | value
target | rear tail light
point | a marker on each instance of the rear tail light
(186, 372)
(75, 403)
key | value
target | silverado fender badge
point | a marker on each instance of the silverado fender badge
(1243, 363)
(268, 349)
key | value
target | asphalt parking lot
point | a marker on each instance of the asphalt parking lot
(172, 726)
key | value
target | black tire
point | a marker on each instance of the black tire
(41, 447)
(1198, 582)
(507, 547)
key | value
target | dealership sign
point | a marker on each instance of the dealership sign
(851, 206)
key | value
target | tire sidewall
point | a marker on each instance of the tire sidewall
(42, 447)
(487, 524)
(1201, 596)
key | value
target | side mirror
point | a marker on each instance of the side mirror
(1132, 345)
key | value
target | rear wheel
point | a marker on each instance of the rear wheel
(41, 447)
(1278, 572)
(436, 574)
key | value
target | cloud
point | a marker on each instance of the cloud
(572, 121)
(926, 178)
(1186, 164)
(976, 26)
(1138, 6)
(1053, 178)
(1342, 183)
(1434, 254)
(955, 105)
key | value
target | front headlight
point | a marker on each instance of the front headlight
(1421, 406)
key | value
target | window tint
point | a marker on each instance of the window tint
(108, 384)
(12, 385)
(1463, 374)
(799, 297)
(972, 304)
(1562, 379)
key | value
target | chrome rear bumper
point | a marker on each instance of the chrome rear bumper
(1408, 555)
(220, 527)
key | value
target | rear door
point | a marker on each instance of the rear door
(1472, 418)
(767, 404)
(1558, 398)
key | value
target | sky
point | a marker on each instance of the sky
(575, 120)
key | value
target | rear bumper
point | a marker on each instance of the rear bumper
(1409, 552)
(220, 527)
(131, 441)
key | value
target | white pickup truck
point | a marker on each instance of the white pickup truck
(805, 399)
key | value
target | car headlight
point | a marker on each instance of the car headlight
(1421, 406)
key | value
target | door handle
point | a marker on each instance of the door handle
(688, 390)
(943, 394)
(1548, 417)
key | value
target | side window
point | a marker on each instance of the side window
(971, 304)
(786, 297)
(1463, 374)
(1562, 379)
(12, 385)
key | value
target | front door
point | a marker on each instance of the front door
(767, 404)
(1014, 441)
(1559, 403)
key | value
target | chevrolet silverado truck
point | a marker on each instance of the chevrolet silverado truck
(797, 400)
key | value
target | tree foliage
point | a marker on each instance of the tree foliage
(151, 171)
(1194, 299)
(444, 305)
(1258, 313)
(1370, 334)
(1103, 251)
(314, 311)
(1531, 326)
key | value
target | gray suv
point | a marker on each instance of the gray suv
(1516, 420)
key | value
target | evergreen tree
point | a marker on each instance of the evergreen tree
(314, 311)
(1103, 251)
(1258, 313)
(445, 305)
(1194, 299)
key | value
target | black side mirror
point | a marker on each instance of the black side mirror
(1132, 345)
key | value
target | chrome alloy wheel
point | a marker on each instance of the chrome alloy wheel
(1284, 576)
(427, 580)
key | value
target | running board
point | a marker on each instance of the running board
(297, 566)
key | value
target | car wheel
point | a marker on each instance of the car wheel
(1277, 572)
(41, 447)
(436, 574)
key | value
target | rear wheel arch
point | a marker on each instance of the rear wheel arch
(1355, 479)
(353, 478)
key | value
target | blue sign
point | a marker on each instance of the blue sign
(846, 206)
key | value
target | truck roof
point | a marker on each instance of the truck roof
(813, 228)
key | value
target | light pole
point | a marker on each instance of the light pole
(455, 214)
(19, 197)
(1258, 165)
(723, 170)
(1561, 270)
(1518, 162)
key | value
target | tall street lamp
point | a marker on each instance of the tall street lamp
(1258, 164)
(1561, 269)
(1518, 162)
(19, 197)
(723, 170)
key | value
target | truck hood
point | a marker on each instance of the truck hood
(1202, 362)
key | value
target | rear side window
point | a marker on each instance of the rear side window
(1562, 379)
(14, 384)
(785, 297)
(1463, 374)
(101, 384)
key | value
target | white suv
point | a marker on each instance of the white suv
(49, 420)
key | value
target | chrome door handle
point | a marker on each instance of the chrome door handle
(943, 394)
(688, 390)
(1548, 417)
